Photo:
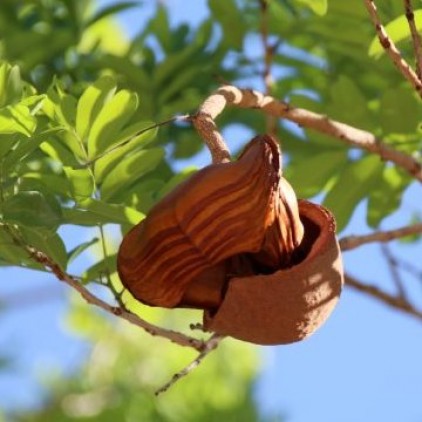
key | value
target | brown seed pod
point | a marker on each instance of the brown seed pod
(289, 304)
(228, 224)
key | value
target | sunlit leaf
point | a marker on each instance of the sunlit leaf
(398, 30)
(133, 137)
(91, 103)
(10, 84)
(82, 184)
(110, 121)
(17, 118)
(130, 169)
(317, 6)
(111, 10)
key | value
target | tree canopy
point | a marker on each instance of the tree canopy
(92, 129)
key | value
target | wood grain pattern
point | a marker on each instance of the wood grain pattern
(230, 219)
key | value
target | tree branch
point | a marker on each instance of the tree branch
(211, 345)
(48, 263)
(391, 49)
(416, 39)
(394, 271)
(352, 242)
(393, 301)
(203, 120)
(271, 122)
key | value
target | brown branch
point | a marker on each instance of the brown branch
(271, 122)
(352, 242)
(393, 301)
(416, 39)
(48, 263)
(391, 49)
(395, 273)
(245, 98)
(211, 345)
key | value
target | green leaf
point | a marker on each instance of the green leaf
(10, 84)
(7, 142)
(354, 183)
(49, 243)
(176, 180)
(13, 254)
(17, 118)
(133, 137)
(159, 25)
(386, 198)
(82, 184)
(231, 20)
(129, 170)
(59, 106)
(32, 209)
(180, 61)
(398, 30)
(310, 176)
(111, 10)
(110, 121)
(348, 103)
(141, 195)
(399, 102)
(101, 269)
(24, 148)
(75, 252)
(98, 212)
(91, 103)
(65, 147)
(319, 7)
(56, 184)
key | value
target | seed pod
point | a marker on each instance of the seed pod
(289, 304)
(229, 224)
(220, 212)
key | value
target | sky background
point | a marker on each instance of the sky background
(364, 364)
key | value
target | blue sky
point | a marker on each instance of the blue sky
(363, 365)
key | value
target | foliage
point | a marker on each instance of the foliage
(123, 369)
(79, 145)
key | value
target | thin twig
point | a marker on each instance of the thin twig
(47, 262)
(352, 242)
(127, 141)
(395, 273)
(271, 121)
(393, 301)
(416, 38)
(211, 345)
(246, 98)
(391, 49)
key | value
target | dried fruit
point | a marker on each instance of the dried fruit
(229, 225)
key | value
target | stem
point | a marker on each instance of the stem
(352, 242)
(391, 49)
(245, 98)
(416, 39)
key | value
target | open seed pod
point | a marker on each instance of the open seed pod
(232, 240)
